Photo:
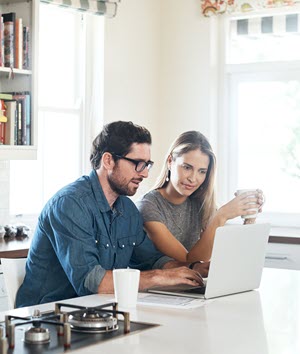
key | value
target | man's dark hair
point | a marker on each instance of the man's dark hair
(117, 138)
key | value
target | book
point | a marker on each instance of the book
(26, 64)
(11, 114)
(19, 43)
(23, 126)
(6, 96)
(3, 120)
(1, 41)
(2, 132)
(18, 126)
(9, 39)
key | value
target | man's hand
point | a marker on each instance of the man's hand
(202, 268)
(170, 276)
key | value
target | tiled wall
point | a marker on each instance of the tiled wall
(4, 192)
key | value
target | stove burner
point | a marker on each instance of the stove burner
(50, 332)
(92, 320)
(37, 335)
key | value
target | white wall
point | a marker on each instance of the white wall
(4, 192)
(160, 71)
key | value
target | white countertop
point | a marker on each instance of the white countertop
(266, 321)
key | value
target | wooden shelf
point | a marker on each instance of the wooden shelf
(18, 152)
(4, 70)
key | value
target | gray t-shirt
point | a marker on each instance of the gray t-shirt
(183, 220)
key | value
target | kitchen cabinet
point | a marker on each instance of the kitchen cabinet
(22, 80)
(284, 251)
(4, 306)
(15, 248)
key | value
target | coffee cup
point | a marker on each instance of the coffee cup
(252, 193)
(126, 285)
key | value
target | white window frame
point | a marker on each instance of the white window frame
(90, 109)
(229, 76)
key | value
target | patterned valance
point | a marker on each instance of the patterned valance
(216, 7)
(97, 7)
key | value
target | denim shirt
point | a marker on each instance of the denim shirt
(78, 238)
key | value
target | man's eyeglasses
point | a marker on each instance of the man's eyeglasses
(140, 165)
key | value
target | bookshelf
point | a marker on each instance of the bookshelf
(22, 80)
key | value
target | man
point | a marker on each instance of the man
(90, 227)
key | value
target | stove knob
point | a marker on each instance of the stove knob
(36, 313)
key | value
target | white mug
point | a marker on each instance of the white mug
(126, 284)
(241, 191)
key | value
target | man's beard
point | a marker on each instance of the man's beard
(117, 186)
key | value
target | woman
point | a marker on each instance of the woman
(180, 214)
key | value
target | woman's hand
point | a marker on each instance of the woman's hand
(242, 204)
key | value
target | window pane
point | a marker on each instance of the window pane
(59, 125)
(59, 56)
(269, 141)
(61, 150)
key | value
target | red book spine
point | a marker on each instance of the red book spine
(2, 124)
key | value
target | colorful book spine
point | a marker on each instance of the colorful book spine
(26, 47)
(3, 120)
(19, 44)
(11, 113)
(2, 131)
(1, 41)
(8, 44)
(6, 96)
(24, 117)
(9, 39)
(28, 118)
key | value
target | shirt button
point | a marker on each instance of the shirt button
(96, 241)
(123, 246)
(133, 243)
(107, 245)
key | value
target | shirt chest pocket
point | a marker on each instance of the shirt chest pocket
(125, 246)
(126, 242)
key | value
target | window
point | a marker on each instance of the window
(263, 133)
(63, 127)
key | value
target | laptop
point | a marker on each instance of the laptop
(236, 264)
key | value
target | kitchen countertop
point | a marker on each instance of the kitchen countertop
(14, 247)
(265, 321)
(18, 247)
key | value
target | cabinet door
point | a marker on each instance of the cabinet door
(21, 81)
(281, 255)
(4, 306)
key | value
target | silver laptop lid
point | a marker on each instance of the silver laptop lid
(237, 259)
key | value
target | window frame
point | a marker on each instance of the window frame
(89, 84)
(230, 75)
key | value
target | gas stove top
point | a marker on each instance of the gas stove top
(67, 327)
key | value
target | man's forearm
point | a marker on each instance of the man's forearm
(175, 264)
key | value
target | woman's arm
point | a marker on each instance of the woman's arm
(165, 241)
(236, 207)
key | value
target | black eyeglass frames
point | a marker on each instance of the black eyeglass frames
(140, 165)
